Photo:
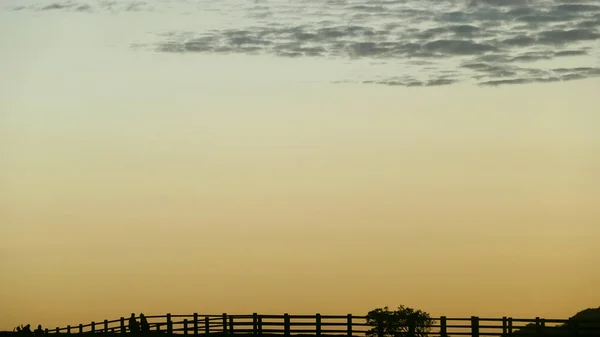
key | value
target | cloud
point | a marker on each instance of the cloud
(368, 8)
(489, 36)
(454, 31)
(501, 3)
(519, 81)
(457, 47)
(541, 76)
(519, 41)
(408, 81)
(563, 37)
(533, 56)
(492, 70)
(489, 41)
(74, 6)
(57, 6)
(589, 24)
(570, 53)
(577, 8)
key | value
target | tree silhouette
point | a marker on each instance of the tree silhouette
(403, 322)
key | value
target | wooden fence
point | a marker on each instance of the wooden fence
(332, 325)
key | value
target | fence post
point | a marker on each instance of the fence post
(195, 324)
(206, 325)
(57, 330)
(46, 331)
(540, 325)
(443, 327)
(286, 324)
(185, 326)
(105, 326)
(510, 326)
(474, 326)
(504, 326)
(574, 325)
(122, 324)
(254, 324)
(169, 325)
(80, 328)
(318, 324)
(224, 323)
(260, 326)
(231, 324)
(68, 329)
(349, 325)
(93, 327)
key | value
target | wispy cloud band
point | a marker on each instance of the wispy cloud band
(494, 42)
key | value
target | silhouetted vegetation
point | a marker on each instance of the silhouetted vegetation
(585, 323)
(380, 322)
(402, 322)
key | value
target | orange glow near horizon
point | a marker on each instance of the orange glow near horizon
(333, 202)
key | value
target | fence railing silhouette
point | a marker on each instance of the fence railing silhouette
(334, 325)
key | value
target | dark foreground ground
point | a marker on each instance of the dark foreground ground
(164, 334)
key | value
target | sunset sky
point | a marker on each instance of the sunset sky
(141, 181)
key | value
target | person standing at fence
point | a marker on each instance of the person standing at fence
(39, 331)
(134, 327)
(144, 324)
(27, 329)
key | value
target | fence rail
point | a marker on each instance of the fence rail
(339, 325)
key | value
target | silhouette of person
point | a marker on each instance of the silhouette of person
(134, 328)
(27, 329)
(39, 331)
(144, 324)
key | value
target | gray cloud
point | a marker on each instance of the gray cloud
(502, 3)
(570, 53)
(577, 7)
(563, 37)
(492, 35)
(485, 40)
(57, 6)
(457, 47)
(519, 81)
(544, 76)
(533, 56)
(73, 6)
(519, 41)
(408, 81)
(589, 24)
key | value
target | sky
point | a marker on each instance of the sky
(140, 174)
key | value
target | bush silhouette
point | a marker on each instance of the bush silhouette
(402, 322)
